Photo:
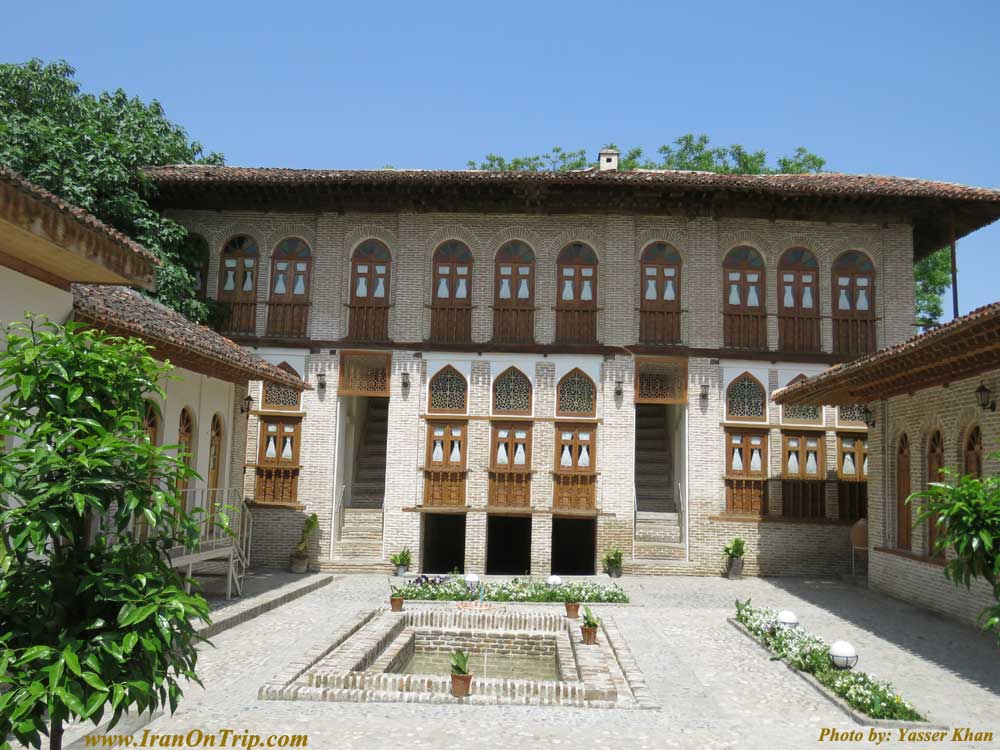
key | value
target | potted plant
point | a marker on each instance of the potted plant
(396, 599)
(734, 552)
(572, 610)
(461, 680)
(299, 560)
(612, 562)
(401, 560)
(589, 627)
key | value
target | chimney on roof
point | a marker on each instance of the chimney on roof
(607, 160)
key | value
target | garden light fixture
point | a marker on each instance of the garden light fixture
(787, 618)
(843, 655)
(619, 389)
(984, 398)
(472, 580)
(554, 580)
(247, 404)
(704, 392)
(321, 381)
(404, 381)
(868, 416)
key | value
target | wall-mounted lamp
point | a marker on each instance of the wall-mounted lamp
(868, 417)
(320, 381)
(704, 392)
(619, 389)
(404, 380)
(984, 397)
(247, 404)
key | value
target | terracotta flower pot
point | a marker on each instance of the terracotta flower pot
(589, 635)
(396, 603)
(460, 685)
(572, 610)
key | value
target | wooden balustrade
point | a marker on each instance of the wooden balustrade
(853, 335)
(510, 489)
(659, 326)
(289, 319)
(513, 325)
(275, 485)
(451, 324)
(238, 317)
(853, 499)
(745, 330)
(444, 489)
(368, 322)
(799, 334)
(576, 325)
(574, 491)
(803, 498)
(746, 496)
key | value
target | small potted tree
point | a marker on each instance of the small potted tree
(589, 627)
(461, 680)
(396, 599)
(734, 552)
(401, 560)
(612, 562)
(299, 560)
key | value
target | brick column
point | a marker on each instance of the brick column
(475, 542)
(541, 544)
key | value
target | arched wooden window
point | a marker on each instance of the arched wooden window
(576, 395)
(288, 306)
(935, 473)
(451, 294)
(798, 300)
(215, 461)
(904, 524)
(801, 413)
(199, 257)
(660, 295)
(448, 392)
(151, 423)
(744, 309)
(512, 393)
(973, 463)
(238, 285)
(371, 271)
(514, 294)
(853, 304)
(576, 302)
(185, 450)
(746, 399)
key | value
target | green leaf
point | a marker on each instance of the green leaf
(117, 693)
(71, 661)
(71, 702)
(129, 641)
(33, 653)
(95, 681)
(75, 391)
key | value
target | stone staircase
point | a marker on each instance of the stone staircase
(657, 523)
(368, 488)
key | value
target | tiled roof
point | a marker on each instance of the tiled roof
(961, 348)
(823, 183)
(76, 213)
(124, 311)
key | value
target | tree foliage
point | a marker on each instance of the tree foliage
(966, 510)
(90, 151)
(695, 153)
(92, 617)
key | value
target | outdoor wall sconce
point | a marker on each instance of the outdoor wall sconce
(983, 398)
(247, 404)
(404, 380)
(619, 389)
(321, 381)
(704, 392)
(868, 416)
(843, 655)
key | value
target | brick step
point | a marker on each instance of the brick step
(366, 503)
(371, 474)
(652, 457)
(657, 446)
(349, 548)
(654, 476)
(658, 551)
(355, 565)
(666, 532)
(662, 504)
(362, 515)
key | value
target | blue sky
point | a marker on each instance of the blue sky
(887, 87)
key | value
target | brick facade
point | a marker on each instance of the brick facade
(776, 546)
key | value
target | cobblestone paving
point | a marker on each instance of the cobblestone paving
(716, 688)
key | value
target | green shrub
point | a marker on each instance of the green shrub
(736, 548)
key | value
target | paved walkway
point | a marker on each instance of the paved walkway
(717, 689)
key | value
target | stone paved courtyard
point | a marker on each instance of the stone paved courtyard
(715, 687)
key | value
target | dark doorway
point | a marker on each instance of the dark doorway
(443, 548)
(508, 545)
(574, 541)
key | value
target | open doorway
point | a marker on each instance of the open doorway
(443, 547)
(574, 543)
(508, 545)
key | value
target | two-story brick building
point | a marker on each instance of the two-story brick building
(516, 371)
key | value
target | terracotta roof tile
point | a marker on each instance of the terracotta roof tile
(125, 311)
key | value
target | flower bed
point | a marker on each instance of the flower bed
(808, 653)
(454, 588)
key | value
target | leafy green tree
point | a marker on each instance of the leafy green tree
(90, 151)
(695, 153)
(93, 617)
(966, 510)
